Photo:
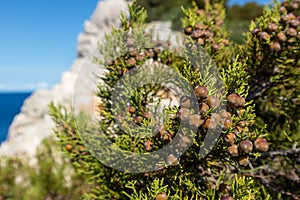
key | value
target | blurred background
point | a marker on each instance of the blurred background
(38, 41)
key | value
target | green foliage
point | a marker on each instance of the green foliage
(275, 75)
(51, 176)
(156, 187)
(245, 188)
(251, 72)
(137, 17)
(168, 10)
(236, 78)
(248, 12)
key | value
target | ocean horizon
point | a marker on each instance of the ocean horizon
(11, 103)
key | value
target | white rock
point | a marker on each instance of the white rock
(105, 17)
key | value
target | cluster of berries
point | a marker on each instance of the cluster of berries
(243, 148)
(159, 131)
(238, 144)
(205, 33)
(206, 103)
(136, 55)
(287, 31)
(224, 118)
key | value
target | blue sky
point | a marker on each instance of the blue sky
(38, 40)
(241, 2)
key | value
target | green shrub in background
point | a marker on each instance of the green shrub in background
(51, 177)
(261, 84)
(237, 19)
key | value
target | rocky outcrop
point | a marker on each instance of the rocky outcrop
(34, 124)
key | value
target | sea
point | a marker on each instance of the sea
(10, 105)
